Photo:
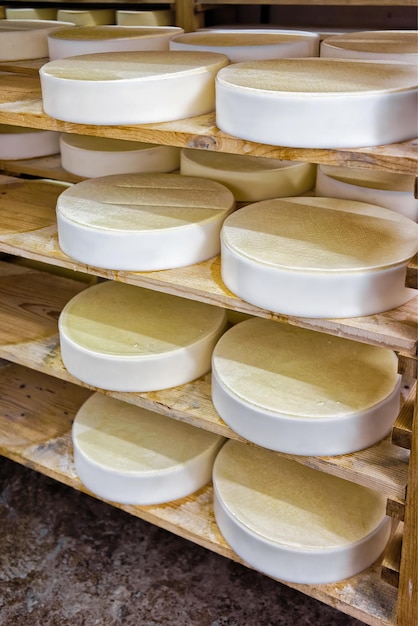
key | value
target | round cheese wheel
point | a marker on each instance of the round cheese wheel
(387, 189)
(89, 17)
(303, 392)
(326, 103)
(124, 338)
(17, 142)
(151, 17)
(249, 178)
(92, 39)
(143, 222)
(22, 40)
(130, 87)
(129, 455)
(318, 257)
(91, 157)
(293, 522)
(250, 44)
(381, 45)
(27, 13)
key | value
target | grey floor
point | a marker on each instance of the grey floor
(68, 559)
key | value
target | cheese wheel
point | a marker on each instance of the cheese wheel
(91, 157)
(27, 13)
(387, 189)
(130, 87)
(89, 17)
(108, 38)
(318, 257)
(155, 17)
(381, 45)
(124, 338)
(17, 142)
(303, 392)
(22, 40)
(317, 103)
(293, 522)
(250, 44)
(249, 178)
(143, 222)
(129, 455)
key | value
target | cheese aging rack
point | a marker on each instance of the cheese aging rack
(39, 398)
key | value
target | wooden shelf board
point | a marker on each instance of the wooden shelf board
(21, 105)
(36, 413)
(402, 429)
(29, 306)
(31, 232)
(392, 559)
(353, 3)
(41, 167)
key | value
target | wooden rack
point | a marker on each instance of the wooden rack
(39, 398)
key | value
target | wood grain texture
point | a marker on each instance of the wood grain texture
(402, 429)
(37, 435)
(392, 559)
(21, 105)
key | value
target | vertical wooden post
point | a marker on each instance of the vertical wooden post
(185, 15)
(407, 607)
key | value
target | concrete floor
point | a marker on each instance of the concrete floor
(68, 559)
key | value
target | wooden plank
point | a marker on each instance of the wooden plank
(392, 559)
(353, 3)
(36, 414)
(402, 428)
(29, 305)
(21, 105)
(407, 606)
(29, 67)
(29, 230)
(395, 508)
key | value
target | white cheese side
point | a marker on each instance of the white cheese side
(326, 103)
(38, 13)
(130, 455)
(25, 39)
(387, 189)
(293, 522)
(17, 142)
(91, 157)
(124, 338)
(130, 87)
(250, 44)
(152, 17)
(318, 257)
(250, 178)
(89, 17)
(303, 392)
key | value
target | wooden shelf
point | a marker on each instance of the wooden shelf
(21, 105)
(36, 413)
(30, 304)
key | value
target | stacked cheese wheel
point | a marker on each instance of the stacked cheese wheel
(295, 523)
(124, 338)
(384, 45)
(17, 142)
(303, 392)
(127, 454)
(87, 17)
(143, 222)
(24, 39)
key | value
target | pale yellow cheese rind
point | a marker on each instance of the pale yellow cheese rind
(127, 438)
(240, 39)
(298, 373)
(321, 234)
(380, 42)
(372, 179)
(118, 319)
(291, 504)
(95, 33)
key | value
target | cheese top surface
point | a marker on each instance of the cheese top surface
(291, 504)
(380, 42)
(247, 38)
(372, 179)
(99, 32)
(123, 437)
(146, 65)
(301, 373)
(145, 202)
(103, 144)
(236, 162)
(320, 235)
(319, 76)
(28, 25)
(119, 319)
